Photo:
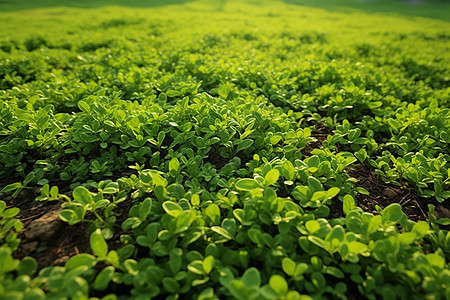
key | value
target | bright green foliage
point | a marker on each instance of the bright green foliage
(215, 107)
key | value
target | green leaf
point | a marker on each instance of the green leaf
(84, 107)
(173, 93)
(175, 259)
(255, 236)
(82, 259)
(101, 203)
(162, 97)
(333, 192)
(300, 269)
(414, 175)
(172, 208)
(312, 226)
(208, 264)
(246, 184)
(374, 224)
(244, 145)
(69, 216)
(10, 213)
(78, 286)
(394, 124)
(7, 262)
(161, 136)
(11, 187)
(278, 284)
(314, 184)
(229, 224)
(224, 90)
(288, 170)
(349, 204)
(361, 155)
(353, 134)
(345, 126)
(356, 247)
(195, 200)
(207, 293)
(333, 271)
(212, 213)
(392, 212)
(174, 166)
(288, 266)
(98, 244)
(319, 196)
(45, 191)
(238, 289)
(302, 193)
(2, 206)
(28, 266)
(201, 144)
(113, 258)
(421, 228)
(144, 208)
(275, 139)
(361, 190)
(318, 280)
(54, 192)
(171, 285)
(271, 177)
(109, 123)
(318, 242)
(103, 278)
(313, 161)
(267, 293)
(375, 104)
(436, 260)
(443, 221)
(251, 277)
(406, 238)
(222, 231)
(82, 195)
(335, 236)
(185, 219)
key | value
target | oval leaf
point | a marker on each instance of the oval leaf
(98, 244)
(244, 145)
(272, 177)
(246, 184)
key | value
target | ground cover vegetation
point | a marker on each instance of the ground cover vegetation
(224, 149)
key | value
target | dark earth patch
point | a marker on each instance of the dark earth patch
(50, 240)
(44, 236)
(382, 194)
(320, 134)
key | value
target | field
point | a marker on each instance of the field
(224, 149)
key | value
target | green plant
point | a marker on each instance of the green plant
(83, 202)
(211, 151)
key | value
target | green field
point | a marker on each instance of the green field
(224, 149)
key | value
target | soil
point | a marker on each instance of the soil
(382, 194)
(45, 237)
(320, 134)
(50, 240)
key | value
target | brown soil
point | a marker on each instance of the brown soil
(50, 240)
(45, 237)
(320, 134)
(382, 194)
